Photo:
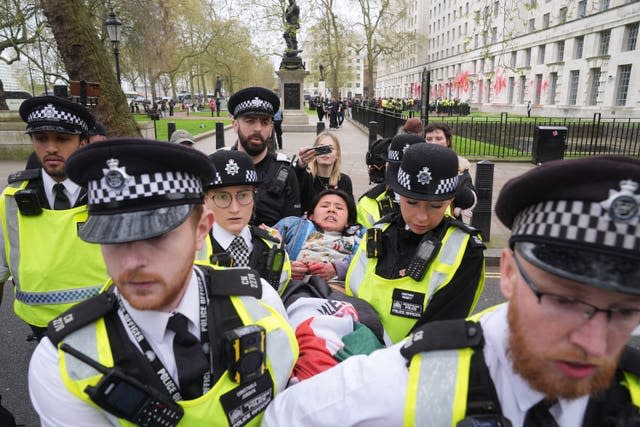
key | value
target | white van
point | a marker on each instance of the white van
(15, 97)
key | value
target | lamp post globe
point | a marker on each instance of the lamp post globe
(114, 29)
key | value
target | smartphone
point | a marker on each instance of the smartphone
(323, 149)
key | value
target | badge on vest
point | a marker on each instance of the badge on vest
(244, 403)
(407, 304)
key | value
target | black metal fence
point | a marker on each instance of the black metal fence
(513, 137)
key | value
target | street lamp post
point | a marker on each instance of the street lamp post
(114, 27)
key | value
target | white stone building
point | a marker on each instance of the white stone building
(355, 66)
(568, 57)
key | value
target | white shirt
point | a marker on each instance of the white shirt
(57, 406)
(371, 390)
(225, 238)
(72, 190)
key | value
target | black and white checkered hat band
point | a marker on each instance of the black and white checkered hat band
(254, 105)
(393, 155)
(252, 176)
(50, 113)
(577, 221)
(443, 186)
(144, 186)
(249, 177)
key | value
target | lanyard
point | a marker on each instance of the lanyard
(162, 373)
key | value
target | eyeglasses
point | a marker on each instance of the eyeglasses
(223, 199)
(574, 312)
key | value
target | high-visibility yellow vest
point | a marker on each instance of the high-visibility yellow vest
(368, 210)
(52, 268)
(206, 410)
(363, 282)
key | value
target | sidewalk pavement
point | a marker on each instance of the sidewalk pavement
(354, 141)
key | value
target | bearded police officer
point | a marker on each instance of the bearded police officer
(232, 241)
(278, 196)
(553, 355)
(51, 267)
(418, 265)
(167, 342)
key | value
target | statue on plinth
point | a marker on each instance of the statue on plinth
(291, 60)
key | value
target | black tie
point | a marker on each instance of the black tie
(190, 359)
(61, 201)
(539, 416)
(239, 251)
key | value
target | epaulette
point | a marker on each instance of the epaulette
(375, 191)
(443, 335)
(390, 217)
(80, 315)
(281, 157)
(630, 360)
(466, 227)
(24, 175)
(232, 281)
(264, 234)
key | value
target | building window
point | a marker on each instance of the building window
(527, 57)
(541, 51)
(538, 89)
(475, 41)
(512, 82)
(594, 86)
(489, 91)
(532, 24)
(603, 46)
(553, 85)
(630, 36)
(624, 76)
(513, 58)
(523, 86)
(574, 78)
(482, 65)
(562, 18)
(560, 51)
(480, 91)
(494, 34)
(582, 8)
(604, 5)
(545, 20)
(578, 45)
(496, 8)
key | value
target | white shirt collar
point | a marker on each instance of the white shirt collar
(225, 238)
(515, 394)
(72, 189)
(153, 324)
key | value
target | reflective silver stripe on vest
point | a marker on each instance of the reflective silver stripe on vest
(14, 238)
(360, 266)
(435, 395)
(85, 341)
(277, 343)
(447, 255)
(57, 297)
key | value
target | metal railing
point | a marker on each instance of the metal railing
(513, 137)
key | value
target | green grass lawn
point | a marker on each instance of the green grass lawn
(195, 126)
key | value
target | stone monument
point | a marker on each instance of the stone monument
(292, 74)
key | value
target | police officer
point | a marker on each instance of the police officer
(553, 355)
(190, 344)
(253, 109)
(380, 200)
(51, 267)
(232, 241)
(418, 265)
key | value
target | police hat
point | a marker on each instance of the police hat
(578, 219)
(137, 189)
(426, 172)
(232, 168)
(181, 136)
(400, 144)
(253, 100)
(54, 114)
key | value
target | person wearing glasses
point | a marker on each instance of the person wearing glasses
(232, 241)
(555, 354)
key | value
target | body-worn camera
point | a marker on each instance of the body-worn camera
(28, 202)
(125, 397)
(245, 352)
(323, 149)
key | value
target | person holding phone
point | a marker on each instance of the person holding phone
(318, 169)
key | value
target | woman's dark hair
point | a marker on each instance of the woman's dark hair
(351, 204)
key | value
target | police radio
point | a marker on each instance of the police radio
(28, 202)
(125, 397)
(245, 352)
(421, 260)
(273, 266)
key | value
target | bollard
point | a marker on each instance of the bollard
(83, 92)
(171, 128)
(219, 135)
(373, 132)
(319, 128)
(481, 218)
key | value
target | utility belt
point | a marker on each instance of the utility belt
(424, 256)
